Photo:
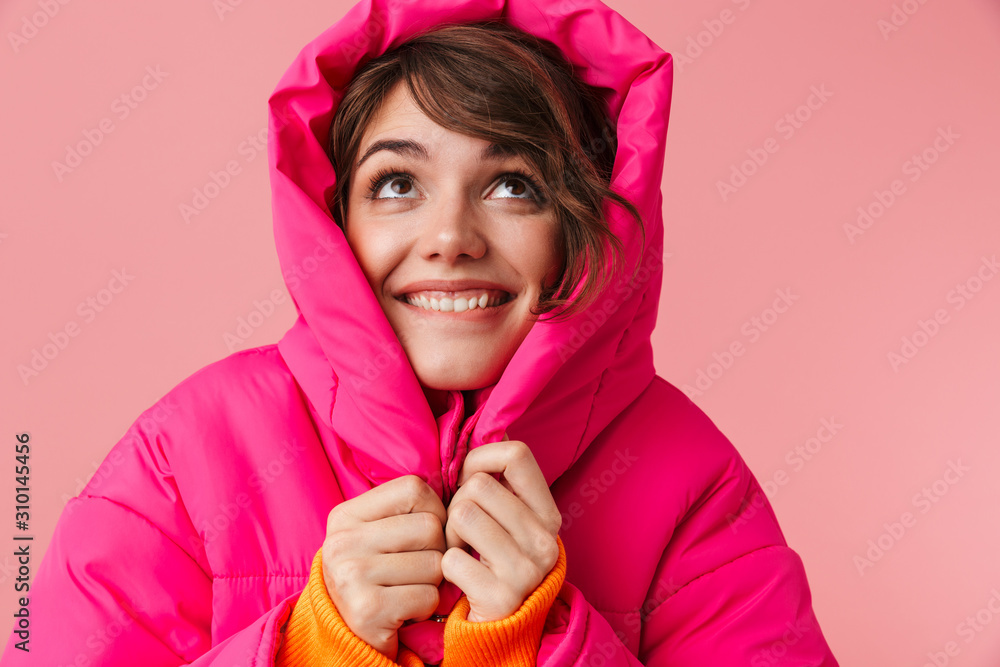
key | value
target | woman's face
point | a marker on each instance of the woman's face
(454, 243)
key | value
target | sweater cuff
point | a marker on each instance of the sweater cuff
(317, 635)
(507, 642)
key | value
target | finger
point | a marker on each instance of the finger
(503, 480)
(469, 525)
(403, 569)
(413, 601)
(384, 570)
(514, 460)
(422, 531)
(401, 533)
(531, 536)
(489, 599)
(386, 608)
(402, 495)
(470, 575)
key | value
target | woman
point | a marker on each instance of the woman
(323, 500)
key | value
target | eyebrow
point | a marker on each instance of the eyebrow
(416, 150)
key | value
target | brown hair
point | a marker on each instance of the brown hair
(523, 94)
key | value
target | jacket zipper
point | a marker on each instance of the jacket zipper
(458, 450)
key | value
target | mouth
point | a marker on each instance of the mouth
(459, 301)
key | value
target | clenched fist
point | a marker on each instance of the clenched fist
(382, 559)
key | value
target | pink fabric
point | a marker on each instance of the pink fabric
(194, 549)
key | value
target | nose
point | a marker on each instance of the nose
(452, 228)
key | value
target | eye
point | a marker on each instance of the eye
(391, 185)
(518, 185)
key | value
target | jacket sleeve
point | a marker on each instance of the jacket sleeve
(744, 600)
(112, 586)
(718, 597)
(126, 579)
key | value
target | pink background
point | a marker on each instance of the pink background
(854, 296)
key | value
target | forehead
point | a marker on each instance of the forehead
(401, 126)
(399, 115)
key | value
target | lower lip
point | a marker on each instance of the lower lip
(474, 314)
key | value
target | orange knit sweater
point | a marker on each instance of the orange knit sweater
(316, 634)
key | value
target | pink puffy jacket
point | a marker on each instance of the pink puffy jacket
(195, 547)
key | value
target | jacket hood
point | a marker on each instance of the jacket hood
(567, 380)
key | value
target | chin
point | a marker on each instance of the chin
(457, 379)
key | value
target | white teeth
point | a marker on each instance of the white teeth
(459, 305)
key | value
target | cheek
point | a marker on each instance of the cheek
(549, 256)
(371, 252)
(533, 248)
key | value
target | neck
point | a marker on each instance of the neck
(471, 400)
(437, 399)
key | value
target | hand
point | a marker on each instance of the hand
(382, 559)
(512, 523)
